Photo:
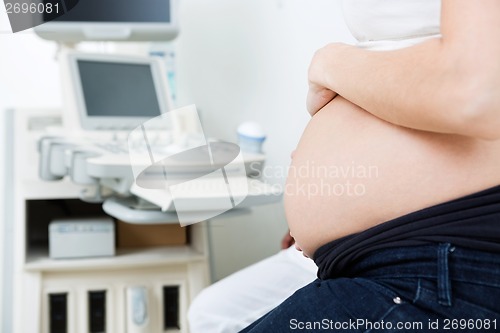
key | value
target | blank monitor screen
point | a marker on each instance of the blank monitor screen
(108, 20)
(118, 89)
(143, 11)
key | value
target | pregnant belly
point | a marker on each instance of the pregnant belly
(352, 171)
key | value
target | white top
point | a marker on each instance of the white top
(388, 24)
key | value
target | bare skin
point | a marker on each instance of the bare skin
(376, 171)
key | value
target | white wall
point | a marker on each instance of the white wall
(2, 211)
(29, 72)
(247, 60)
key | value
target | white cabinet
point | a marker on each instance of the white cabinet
(172, 275)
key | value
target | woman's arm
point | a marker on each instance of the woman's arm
(449, 84)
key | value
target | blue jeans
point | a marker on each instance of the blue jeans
(432, 288)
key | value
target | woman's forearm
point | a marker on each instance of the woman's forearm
(449, 84)
(420, 87)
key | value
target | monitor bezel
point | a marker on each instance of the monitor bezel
(79, 31)
(103, 123)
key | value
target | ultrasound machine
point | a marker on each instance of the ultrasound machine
(122, 139)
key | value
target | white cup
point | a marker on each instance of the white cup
(251, 137)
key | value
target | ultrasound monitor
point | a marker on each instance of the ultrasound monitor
(110, 20)
(117, 92)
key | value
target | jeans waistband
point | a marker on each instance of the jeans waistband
(431, 261)
(444, 263)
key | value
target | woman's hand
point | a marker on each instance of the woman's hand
(287, 241)
(319, 93)
(318, 97)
